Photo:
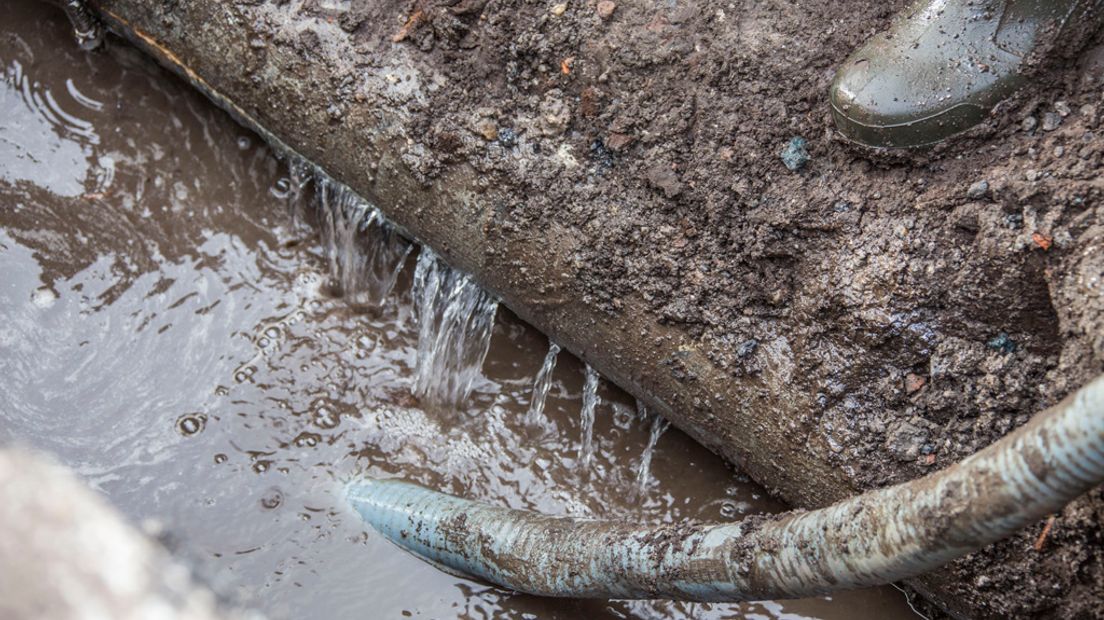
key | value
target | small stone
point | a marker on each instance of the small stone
(488, 130)
(618, 141)
(555, 115)
(978, 190)
(747, 347)
(913, 382)
(1051, 121)
(1029, 123)
(794, 155)
(1002, 343)
(1032, 175)
(1062, 108)
(559, 9)
(606, 8)
(507, 137)
(1041, 240)
(1059, 151)
(663, 178)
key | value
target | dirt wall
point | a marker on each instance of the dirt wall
(614, 176)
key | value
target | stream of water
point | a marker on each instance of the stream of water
(219, 341)
(535, 414)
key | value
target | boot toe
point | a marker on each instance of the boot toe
(885, 106)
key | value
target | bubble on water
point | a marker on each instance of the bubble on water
(191, 424)
(272, 499)
(245, 374)
(281, 189)
(220, 458)
(43, 297)
(222, 390)
(244, 143)
(272, 332)
(324, 417)
(307, 440)
(729, 509)
(261, 466)
(734, 509)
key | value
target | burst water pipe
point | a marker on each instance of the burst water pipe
(875, 538)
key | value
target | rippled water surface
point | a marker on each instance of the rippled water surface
(173, 334)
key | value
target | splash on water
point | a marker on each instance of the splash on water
(364, 251)
(590, 403)
(541, 385)
(455, 317)
(659, 425)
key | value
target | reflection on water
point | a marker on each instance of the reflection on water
(169, 332)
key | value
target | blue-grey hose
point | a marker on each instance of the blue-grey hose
(876, 538)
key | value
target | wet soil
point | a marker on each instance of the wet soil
(169, 331)
(922, 319)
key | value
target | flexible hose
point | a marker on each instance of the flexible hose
(875, 538)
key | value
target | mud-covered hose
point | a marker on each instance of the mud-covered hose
(876, 538)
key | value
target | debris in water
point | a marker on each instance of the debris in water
(541, 385)
(590, 403)
(455, 317)
(659, 425)
(794, 155)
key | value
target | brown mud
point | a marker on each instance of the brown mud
(924, 320)
(168, 332)
(875, 318)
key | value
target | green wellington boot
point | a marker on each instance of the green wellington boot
(943, 64)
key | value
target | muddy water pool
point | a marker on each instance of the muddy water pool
(179, 327)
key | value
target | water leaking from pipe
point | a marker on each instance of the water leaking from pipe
(455, 317)
(541, 384)
(365, 252)
(657, 427)
(590, 403)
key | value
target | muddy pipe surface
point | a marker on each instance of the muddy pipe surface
(873, 539)
(830, 332)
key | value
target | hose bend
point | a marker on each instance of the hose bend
(875, 538)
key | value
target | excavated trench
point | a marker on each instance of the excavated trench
(217, 342)
(831, 331)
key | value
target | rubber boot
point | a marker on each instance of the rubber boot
(943, 64)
